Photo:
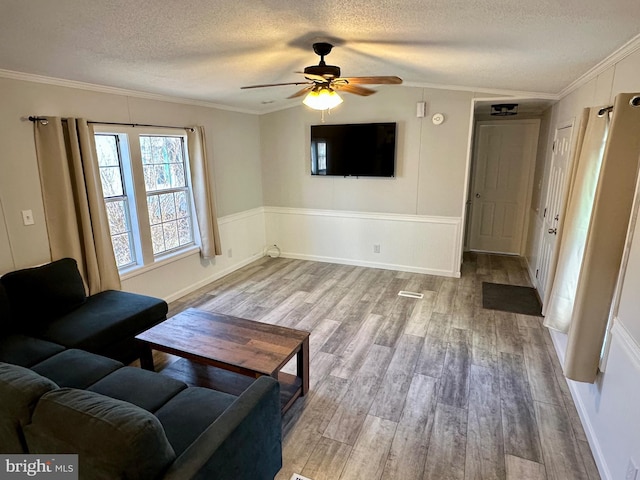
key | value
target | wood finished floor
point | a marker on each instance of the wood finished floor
(401, 388)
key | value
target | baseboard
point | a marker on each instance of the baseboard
(596, 450)
(212, 278)
(364, 263)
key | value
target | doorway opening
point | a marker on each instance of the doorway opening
(507, 157)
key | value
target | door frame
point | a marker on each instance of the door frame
(530, 177)
(485, 97)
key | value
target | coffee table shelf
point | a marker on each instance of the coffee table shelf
(226, 353)
(200, 375)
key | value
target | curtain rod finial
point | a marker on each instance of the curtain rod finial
(43, 121)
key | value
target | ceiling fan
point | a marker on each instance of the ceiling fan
(324, 80)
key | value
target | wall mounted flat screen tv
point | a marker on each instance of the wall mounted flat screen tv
(354, 150)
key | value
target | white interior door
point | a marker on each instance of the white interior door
(556, 187)
(504, 155)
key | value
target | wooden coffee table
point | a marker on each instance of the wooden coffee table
(226, 353)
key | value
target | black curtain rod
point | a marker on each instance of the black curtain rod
(604, 110)
(634, 102)
(37, 119)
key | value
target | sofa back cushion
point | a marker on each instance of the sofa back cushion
(113, 439)
(20, 390)
(46, 292)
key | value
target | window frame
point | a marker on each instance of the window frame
(132, 172)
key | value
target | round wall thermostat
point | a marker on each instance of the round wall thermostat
(437, 118)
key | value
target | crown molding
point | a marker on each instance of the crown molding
(61, 82)
(620, 54)
(491, 91)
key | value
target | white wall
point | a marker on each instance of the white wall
(609, 408)
(233, 141)
(427, 194)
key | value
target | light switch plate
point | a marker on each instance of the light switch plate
(27, 217)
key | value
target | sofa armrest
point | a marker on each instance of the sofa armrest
(243, 443)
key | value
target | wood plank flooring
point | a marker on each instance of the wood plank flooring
(410, 389)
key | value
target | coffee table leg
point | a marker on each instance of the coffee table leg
(303, 366)
(146, 357)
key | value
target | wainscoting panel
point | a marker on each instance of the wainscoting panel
(609, 409)
(243, 240)
(411, 243)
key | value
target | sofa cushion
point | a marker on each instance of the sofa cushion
(105, 319)
(143, 388)
(76, 368)
(20, 390)
(43, 293)
(26, 351)
(113, 439)
(184, 418)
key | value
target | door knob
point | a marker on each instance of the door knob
(478, 195)
(553, 230)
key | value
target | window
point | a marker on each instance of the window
(165, 181)
(145, 184)
(116, 199)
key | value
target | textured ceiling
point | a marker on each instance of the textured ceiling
(206, 49)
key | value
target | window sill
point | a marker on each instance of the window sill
(135, 270)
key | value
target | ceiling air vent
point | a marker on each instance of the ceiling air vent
(504, 109)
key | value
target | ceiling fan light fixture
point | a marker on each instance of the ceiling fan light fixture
(322, 98)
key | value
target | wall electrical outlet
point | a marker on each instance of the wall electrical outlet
(632, 471)
(376, 248)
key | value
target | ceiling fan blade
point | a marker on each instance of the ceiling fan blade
(382, 80)
(365, 92)
(313, 77)
(299, 93)
(276, 85)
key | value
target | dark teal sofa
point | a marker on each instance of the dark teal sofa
(129, 423)
(49, 303)
(64, 388)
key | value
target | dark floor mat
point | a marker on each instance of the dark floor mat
(511, 298)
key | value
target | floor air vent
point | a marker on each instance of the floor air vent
(403, 293)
